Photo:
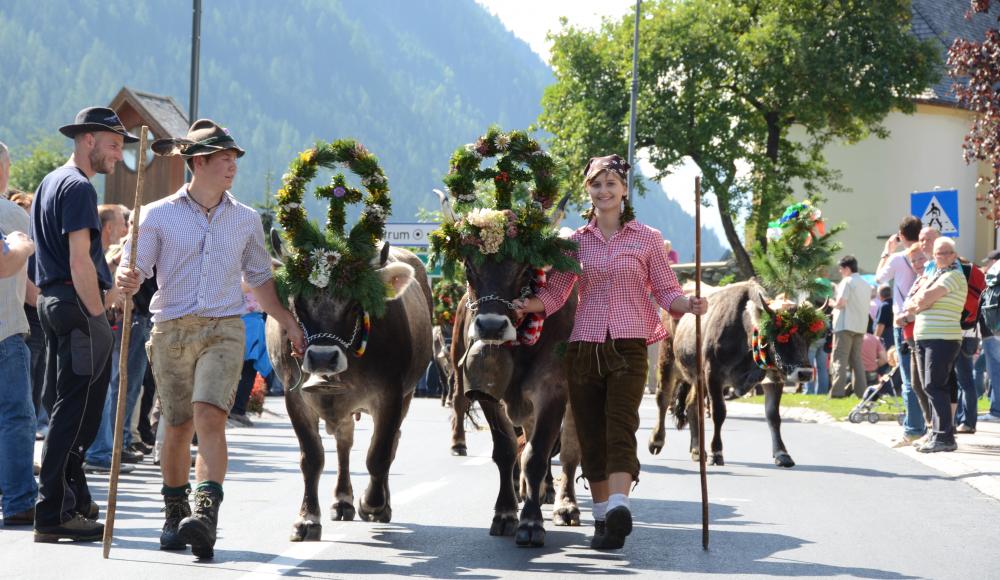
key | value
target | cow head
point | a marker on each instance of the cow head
(791, 357)
(493, 286)
(334, 326)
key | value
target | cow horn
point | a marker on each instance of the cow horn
(560, 212)
(277, 249)
(446, 212)
(763, 304)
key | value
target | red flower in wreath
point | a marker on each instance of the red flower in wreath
(784, 338)
(793, 330)
(503, 176)
(817, 326)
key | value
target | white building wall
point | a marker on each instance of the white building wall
(923, 151)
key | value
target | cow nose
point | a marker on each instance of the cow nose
(319, 360)
(491, 326)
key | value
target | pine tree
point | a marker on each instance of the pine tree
(800, 251)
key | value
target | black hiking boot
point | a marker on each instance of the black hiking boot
(198, 529)
(618, 525)
(600, 528)
(176, 509)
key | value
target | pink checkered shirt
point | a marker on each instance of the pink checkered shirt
(620, 278)
(199, 264)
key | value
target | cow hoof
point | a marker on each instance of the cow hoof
(783, 460)
(695, 456)
(655, 445)
(342, 511)
(459, 450)
(566, 516)
(550, 497)
(530, 535)
(717, 459)
(503, 525)
(368, 514)
(306, 532)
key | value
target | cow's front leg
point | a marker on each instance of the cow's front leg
(374, 505)
(343, 499)
(534, 464)
(305, 423)
(504, 453)
(567, 512)
(772, 403)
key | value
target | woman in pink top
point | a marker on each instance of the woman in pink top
(623, 264)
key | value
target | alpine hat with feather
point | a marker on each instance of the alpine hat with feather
(203, 138)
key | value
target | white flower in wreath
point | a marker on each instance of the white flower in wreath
(286, 178)
(471, 148)
(291, 206)
(375, 212)
(540, 153)
(319, 278)
(466, 197)
(502, 142)
(373, 181)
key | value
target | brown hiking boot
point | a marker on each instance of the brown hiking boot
(198, 529)
(77, 529)
(25, 518)
(176, 509)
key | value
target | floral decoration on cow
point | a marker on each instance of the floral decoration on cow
(504, 229)
(802, 319)
(447, 293)
(331, 260)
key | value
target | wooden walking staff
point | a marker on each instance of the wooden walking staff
(700, 382)
(116, 455)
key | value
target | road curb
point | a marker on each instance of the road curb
(977, 461)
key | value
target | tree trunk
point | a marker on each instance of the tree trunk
(721, 191)
(765, 198)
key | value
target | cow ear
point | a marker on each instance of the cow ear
(277, 249)
(397, 277)
(384, 256)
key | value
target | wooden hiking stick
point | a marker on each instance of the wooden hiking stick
(116, 454)
(700, 362)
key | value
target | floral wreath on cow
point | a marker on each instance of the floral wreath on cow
(523, 233)
(331, 260)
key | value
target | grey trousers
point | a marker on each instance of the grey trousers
(847, 365)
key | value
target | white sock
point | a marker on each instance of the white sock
(600, 510)
(617, 500)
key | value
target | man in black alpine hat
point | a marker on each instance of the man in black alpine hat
(72, 276)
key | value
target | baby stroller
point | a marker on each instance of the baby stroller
(881, 397)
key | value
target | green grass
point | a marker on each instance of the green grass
(837, 408)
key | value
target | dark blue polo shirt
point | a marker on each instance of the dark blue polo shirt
(65, 202)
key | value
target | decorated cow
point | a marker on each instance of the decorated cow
(512, 368)
(365, 309)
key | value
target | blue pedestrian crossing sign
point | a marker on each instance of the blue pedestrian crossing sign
(937, 209)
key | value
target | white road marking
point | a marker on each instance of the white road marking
(289, 560)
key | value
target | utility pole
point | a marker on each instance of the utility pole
(195, 65)
(635, 96)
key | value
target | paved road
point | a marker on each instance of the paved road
(852, 507)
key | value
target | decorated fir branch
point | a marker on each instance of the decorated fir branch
(519, 232)
(800, 250)
(331, 259)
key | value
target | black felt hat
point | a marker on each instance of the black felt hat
(93, 119)
(204, 138)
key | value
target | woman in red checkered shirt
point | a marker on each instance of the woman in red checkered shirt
(624, 267)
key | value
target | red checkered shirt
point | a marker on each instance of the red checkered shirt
(620, 278)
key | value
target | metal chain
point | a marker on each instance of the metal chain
(346, 344)
(474, 306)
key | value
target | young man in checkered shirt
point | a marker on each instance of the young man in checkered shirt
(202, 243)
(623, 263)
